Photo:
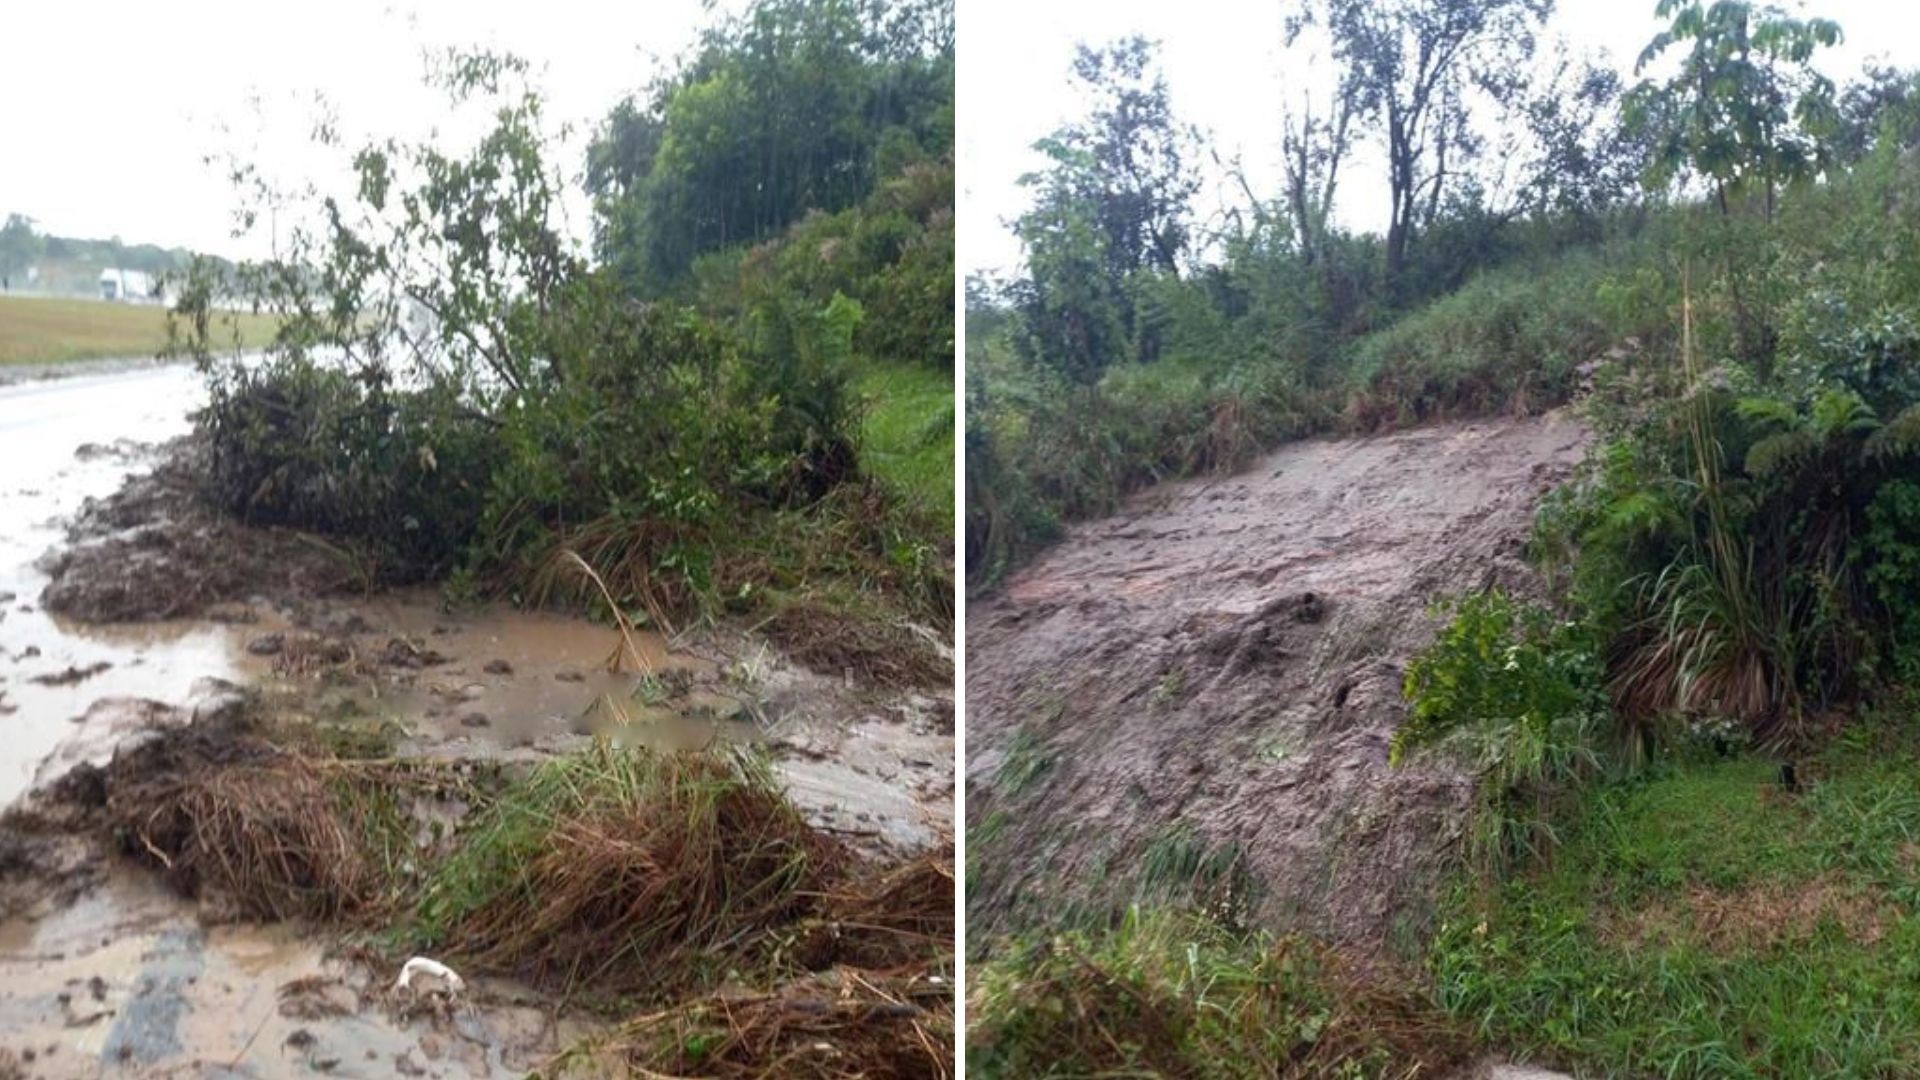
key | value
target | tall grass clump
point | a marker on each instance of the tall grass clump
(630, 871)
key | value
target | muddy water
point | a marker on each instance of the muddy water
(61, 442)
(128, 983)
(128, 980)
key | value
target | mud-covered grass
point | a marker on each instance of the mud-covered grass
(1706, 921)
(629, 872)
(1166, 993)
(841, 1025)
(52, 330)
(679, 895)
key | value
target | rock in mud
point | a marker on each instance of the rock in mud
(71, 675)
(498, 667)
(267, 645)
(1216, 670)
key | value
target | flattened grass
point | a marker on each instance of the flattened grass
(56, 330)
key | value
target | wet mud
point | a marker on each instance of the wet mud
(130, 613)
(1196, 695)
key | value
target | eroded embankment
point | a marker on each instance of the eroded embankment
(1195, 697)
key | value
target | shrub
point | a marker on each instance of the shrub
(1519, 690)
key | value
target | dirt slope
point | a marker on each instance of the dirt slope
(1214, 674)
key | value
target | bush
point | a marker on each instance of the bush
(1521, 690)
(404, 473)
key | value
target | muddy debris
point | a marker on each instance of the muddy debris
(1217, 669)
(893, 655)
(840, 1025)
(267, 645)
(153, 550)
(498, 667)
(71, 675)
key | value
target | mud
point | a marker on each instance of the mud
(128, 610)
(1210, 679)
(127, 982)
(153, 551)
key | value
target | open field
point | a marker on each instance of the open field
(40, 330)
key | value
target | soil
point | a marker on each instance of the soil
(192, 613)
(151, 551)
(1217, 670)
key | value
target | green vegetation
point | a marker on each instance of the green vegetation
(1165, 994)
(1694, 852)
(52, 330)
(740, 404)
(1702, 921)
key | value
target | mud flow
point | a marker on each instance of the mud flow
(1196, 695)
(169, 617)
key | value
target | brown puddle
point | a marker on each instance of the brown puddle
(128, 982)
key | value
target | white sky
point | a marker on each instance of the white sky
(107, 107)
(1227, 70)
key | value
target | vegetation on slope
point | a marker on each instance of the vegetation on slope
(702, 412)
(1692, 852)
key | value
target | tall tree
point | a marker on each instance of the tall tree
(1746, 106)
(1114, 202)
(1141, 157)
(20, 246)
(1409, 67)
(794, 105)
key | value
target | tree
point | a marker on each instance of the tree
(1073, 310)
(1115, 202)
(1746, 107)
(1312, 149)
(1140, 157)
(1408, 67)
(20, 246)
(1882, 105)
(792, 106)
(1579, 161)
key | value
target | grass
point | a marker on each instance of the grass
(55, 330)
(619, 869)
(909, 432)
(1703, 921)
(1164, 993)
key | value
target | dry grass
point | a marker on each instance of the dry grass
(39, 329)
(264, 833)
(1759, 917)
(846, 1024)
(833, 642)
(628, 871)
(891, 916)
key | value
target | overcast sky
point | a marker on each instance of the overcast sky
(108, 107)
(1228, 71)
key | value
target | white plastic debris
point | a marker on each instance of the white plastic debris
(435, 976)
